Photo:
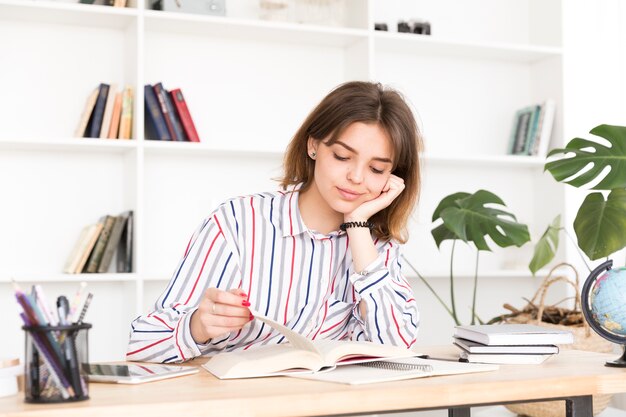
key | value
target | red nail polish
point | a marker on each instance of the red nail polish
(245, 303)
(251, 317)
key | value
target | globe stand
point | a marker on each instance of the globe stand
(620, 362)
(593, 322)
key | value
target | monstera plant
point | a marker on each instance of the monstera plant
(600, 224)
(470, 218)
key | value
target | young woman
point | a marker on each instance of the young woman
(321, 256)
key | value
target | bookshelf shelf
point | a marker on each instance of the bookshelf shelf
(511, 161)
(246, 29)
(68, 14)
(154, 147)
(59, 277)
(72, 144)
(426, 45)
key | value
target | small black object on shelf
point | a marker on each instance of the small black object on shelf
(381, 26)
(404, 27)
(420, 27)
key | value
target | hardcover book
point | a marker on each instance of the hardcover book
(185, 116)
(505, 358)
(98, 250)
(87, 110)
(156, 128)
(125, 247)
(513, 334)
(108, 112)
(126, 118)
(475, 347)
(83, 247)
(167, 108)
(115, 117)
(113, 242)
(95, 122)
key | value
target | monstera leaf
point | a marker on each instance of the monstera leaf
(585, 152)
(466, 217)
(546, 246)
(600, 224)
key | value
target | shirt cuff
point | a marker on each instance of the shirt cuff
(374, 272)
(186, 345)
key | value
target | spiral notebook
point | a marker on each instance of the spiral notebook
(394, 370)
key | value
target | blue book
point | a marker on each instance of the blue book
(155, 120)
(169, 112)
(95, 122)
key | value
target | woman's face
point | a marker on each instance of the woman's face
(354, 169)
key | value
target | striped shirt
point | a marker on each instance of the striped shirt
(296, 276)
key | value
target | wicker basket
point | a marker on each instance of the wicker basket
(584, 339)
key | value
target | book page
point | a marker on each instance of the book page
(297, 340)
(269, 360)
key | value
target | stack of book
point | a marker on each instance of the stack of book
(108, 113)
(167, 115)
(98, 244)
(509, 343)
(532, 129)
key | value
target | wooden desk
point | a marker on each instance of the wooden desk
(574, 375)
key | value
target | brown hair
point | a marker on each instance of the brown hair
(367, 102)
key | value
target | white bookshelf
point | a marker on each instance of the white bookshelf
(249, 83)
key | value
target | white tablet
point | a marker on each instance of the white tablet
(134, 373)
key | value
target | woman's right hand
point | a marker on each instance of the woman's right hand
(220, 312)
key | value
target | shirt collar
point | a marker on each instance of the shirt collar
(292, 223)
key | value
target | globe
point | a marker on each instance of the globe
(604, 305)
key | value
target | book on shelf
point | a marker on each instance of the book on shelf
(95, 121)
(184, 115)
(470, 346)
(113, 242)
(86, 115)
(341, 361)
(532, 128)
(167, 108)
(98, 250)
(156, 127)
(125, 248)
(108, 112)
(505, 358)
(543, 135)
(82, 249)
(126, 118)
(115, 116)
(522, 129)
(513, 334)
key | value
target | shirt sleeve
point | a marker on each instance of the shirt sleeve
(164, 335)
(392, 314)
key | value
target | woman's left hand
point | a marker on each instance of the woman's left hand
(390, 191)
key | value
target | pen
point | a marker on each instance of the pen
(72, 364)
(63, 309)
(85, 307)
(74, 305)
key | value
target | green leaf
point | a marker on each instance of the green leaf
(441, 232)
(546, 247)
(581, 152)
(466, 217)
(600, 224)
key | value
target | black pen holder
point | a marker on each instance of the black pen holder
(54, 363)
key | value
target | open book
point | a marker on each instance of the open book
(300, 355)
(361, 362)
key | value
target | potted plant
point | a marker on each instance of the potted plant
(600, 224)
(470, 218)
